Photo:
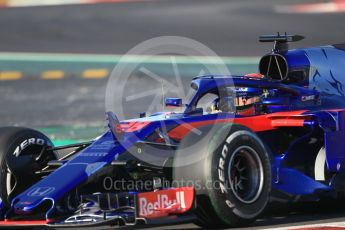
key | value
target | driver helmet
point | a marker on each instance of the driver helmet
(239, 100)
(246, 98)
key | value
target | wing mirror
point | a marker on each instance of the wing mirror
(174, 102)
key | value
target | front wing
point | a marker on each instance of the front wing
(129, 208)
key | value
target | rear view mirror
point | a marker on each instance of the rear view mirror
(174, 102)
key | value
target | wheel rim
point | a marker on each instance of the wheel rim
(246, 174)
(10, 181)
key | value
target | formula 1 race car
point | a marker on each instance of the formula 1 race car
(240, 141)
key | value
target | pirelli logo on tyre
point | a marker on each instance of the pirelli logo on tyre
(27, 142)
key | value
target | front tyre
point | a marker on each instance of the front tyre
(21, 157)
(234, 172)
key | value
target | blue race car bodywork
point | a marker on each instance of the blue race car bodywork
(298, 114)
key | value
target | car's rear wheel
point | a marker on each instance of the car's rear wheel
(232, 178)
(22, 155)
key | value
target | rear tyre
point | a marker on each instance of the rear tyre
(20, 157)
(232, 178)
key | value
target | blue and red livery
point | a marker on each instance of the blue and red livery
(279, 132)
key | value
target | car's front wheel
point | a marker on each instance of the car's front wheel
(21, 158)
(232, 178)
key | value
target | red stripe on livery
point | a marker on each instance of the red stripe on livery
(24, 222)
(256, 123)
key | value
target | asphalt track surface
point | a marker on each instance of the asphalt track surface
(230, 28)
(227, 27)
